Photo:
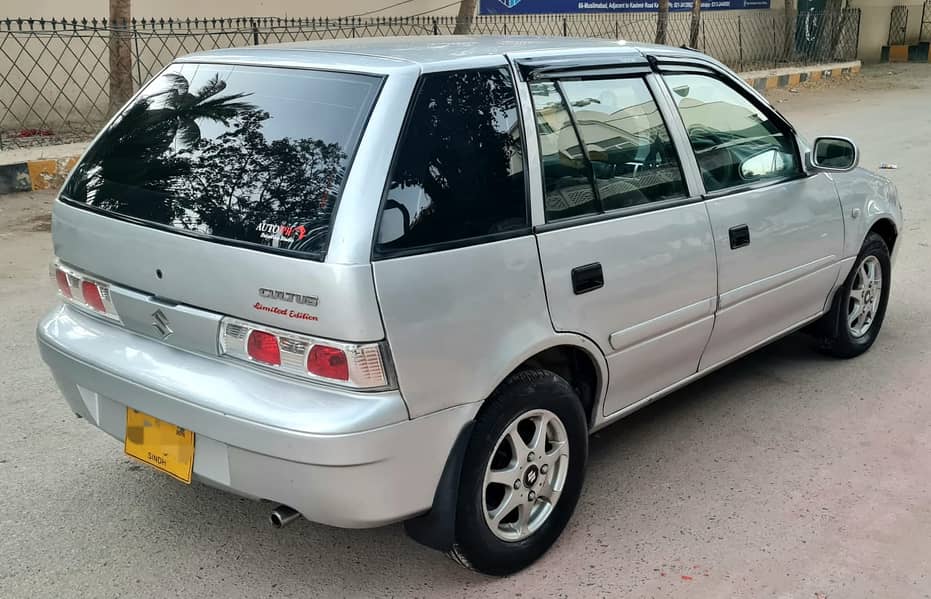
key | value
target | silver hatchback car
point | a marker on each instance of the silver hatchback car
(404, 279)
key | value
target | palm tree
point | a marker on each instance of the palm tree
(662, 19)
(136, 150)
(185, 108)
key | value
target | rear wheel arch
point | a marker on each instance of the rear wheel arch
(577, 366)
(574, 358)
(885, 228)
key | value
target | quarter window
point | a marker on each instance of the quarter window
(627, 158)
(459, 169)
(735, 142)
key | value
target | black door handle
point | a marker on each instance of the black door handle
(587, 278)
(740, 236)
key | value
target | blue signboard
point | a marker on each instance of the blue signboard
(537, 7)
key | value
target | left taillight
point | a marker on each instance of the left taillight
(354, 365)
(83, 291)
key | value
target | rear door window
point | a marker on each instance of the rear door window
(458, 177)
(250, 155)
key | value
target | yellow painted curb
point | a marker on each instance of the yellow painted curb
(51, 173)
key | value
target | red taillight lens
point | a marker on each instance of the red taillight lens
(263, 347)
(63, 284)
(92, 296)
(328, 362)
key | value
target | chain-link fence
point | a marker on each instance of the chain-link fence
(898, 25)
(55, 75)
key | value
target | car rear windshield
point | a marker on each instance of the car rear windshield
(248, 155)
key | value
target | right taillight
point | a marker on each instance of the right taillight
(328, 362)
(354, 365)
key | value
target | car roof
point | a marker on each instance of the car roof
(427, 52)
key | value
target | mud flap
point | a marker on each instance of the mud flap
(437, 528)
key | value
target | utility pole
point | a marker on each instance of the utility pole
(696, 24)
(662, 19)
(466, 14)
(121, 65)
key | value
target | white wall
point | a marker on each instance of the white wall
(221, 8)
(874, 25)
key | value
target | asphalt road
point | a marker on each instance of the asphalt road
(784, 475)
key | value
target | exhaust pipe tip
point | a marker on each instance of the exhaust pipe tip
(283, 515)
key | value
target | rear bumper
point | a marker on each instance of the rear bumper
(355, 471)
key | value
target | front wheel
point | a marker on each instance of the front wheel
(522, 473)
(857, 314)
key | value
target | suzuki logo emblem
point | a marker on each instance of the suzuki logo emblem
(531, 475)
(160, 323)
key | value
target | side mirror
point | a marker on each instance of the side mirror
(835, 154)
(765, 164)
(395, 222)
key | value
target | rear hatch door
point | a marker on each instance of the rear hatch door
(214, 192)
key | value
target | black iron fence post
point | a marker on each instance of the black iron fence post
(775, 53)
(856, 41)
(255, 33)
(565, 27)
(138, 60)
(740, 45)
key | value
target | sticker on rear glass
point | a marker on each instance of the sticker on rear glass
(279, 233)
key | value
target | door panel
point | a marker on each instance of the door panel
(640, 284)
(656, 302)
(778, 234)
(783, 275)
(642, 370)
(741, 326)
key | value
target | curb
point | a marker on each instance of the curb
(792, 76)
(920, 52)
(33, 175)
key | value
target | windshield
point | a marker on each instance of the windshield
(250, 155)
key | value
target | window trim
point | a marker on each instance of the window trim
(583, 147)
(587, 219)
(562, 67)
(642, 76)
(679, 65)
(376, 254)
(781, 123)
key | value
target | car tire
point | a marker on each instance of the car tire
(503, 528)
(847, 330)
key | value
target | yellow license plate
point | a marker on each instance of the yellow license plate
(161, 444)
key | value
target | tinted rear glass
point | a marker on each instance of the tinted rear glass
(246, 154)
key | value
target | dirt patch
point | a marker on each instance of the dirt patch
(871, 78)
(26, 212)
